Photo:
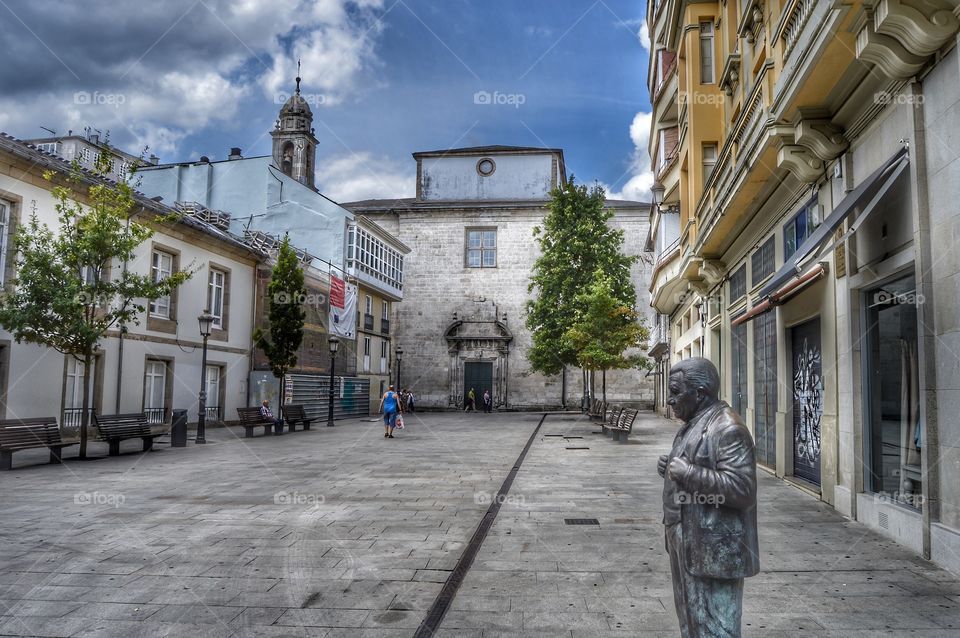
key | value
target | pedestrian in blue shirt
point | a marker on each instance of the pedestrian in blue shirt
(391, 408)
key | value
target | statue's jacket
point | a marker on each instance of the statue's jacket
(719, 523)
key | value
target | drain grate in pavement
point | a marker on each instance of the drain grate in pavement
(580, 521)
(578, 448)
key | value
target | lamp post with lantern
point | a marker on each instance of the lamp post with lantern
(334, 344)
(206, 324)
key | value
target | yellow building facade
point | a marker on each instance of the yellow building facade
(793, 143)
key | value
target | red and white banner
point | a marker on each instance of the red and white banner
(343, 308)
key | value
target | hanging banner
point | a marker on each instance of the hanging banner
(343, 308)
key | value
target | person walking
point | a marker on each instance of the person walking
(487, 402)
(471, 402)
(391, 408)
(410, 404)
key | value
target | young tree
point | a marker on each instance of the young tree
(71, 285)
(286, 314)
(604, 329)
(575, 241)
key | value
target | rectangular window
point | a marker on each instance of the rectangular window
(481, 248)
(214, 381)
(738, 283)
(762, 262)
(215, 296)
(366, 354)
(709, 159)
(369, 305)
(384, 310)
(706, 52)
(5, 208)
(161, 269)
(155, 389)
(384, 345)
(84, 155)
(891, 369)
(738, 363)
(765, 387)
(796, 231)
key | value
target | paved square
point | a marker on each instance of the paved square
(340, 532)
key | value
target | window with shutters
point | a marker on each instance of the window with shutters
(738, 284)
(762, 262)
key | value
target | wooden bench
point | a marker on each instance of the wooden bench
(114, 428)
(598, 410)
(250, 419)
(621, 431)
(612, 416)
(294, 414)
(26, 434)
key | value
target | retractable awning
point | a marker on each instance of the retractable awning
(868, 194)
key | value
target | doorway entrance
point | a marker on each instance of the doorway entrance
(807, 400)
(479, 376)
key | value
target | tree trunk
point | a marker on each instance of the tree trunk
(604, 387)
(85, 411)
(563, 388)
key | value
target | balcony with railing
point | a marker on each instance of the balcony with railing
(156, 416)
(384, 326)
(367, 321)
(213, 413)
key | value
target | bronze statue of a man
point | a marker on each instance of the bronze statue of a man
(709, 504)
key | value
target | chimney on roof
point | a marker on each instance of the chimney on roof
(154, 159)
(235, 153)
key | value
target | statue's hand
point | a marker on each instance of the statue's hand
(678, 468)
(662, 464)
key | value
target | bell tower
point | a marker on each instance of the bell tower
(294, 144)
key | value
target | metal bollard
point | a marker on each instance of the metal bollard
(178, 431)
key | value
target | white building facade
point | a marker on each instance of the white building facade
(153, 366)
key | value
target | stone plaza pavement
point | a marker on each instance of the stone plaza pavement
(340, 532)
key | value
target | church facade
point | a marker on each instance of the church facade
(462, 323)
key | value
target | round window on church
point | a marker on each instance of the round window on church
(486, 167)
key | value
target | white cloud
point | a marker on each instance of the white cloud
(357, 176)
(637, 188)
(644, 35)
(209, 56)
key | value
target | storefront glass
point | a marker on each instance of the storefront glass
(895, 436)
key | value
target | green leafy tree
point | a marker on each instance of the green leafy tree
(604, 329)
(286, 314)
(575, 241)
(72, 284)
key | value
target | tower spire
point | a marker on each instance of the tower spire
(298, 76)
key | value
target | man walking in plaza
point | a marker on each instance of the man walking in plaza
(471, 402)
(391, 408)
(709, 504)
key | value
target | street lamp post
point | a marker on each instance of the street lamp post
(334, 343)
(206, 323)
(399, 359)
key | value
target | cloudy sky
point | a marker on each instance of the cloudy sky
(385, 77)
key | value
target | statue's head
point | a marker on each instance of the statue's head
(694, 385)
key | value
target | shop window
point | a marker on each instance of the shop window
(738, 283)
(892, 395)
